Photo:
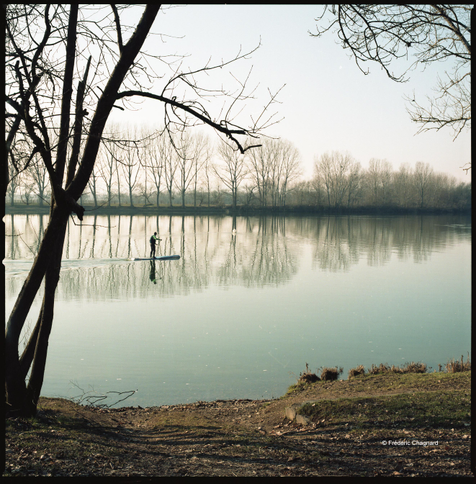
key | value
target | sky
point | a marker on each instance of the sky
(327, 103)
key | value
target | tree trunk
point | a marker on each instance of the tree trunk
(46, 263)
(130, 196)
(234, 195)
(19, 398)
(45, 321)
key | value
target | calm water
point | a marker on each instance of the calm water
(240, 314)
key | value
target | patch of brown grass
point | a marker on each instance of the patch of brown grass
(383, 368)
(330, 374)
(359, 370)
(455, 366)
(307, 376)
(452, 366)
(411, 367)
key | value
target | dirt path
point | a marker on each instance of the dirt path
(229, 438)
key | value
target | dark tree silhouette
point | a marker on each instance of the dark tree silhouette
(404, 37)
(67, 66)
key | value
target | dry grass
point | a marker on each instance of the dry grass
(330, 374)
(327, 374)
(411, 367)
(359, 370)
(455, 366)
(307, 376)
(385, 368)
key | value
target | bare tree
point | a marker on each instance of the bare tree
(207, 169)
(153, 159)
(316, 190)
(441, 188)
(56, 90)
(107, 166)
(21, 155)
(334, 171)
(27, 188)
(391, 34)
(402, 182)
(93, 185)
(39, 176)
(260, 164)
(378, 178)
(202, 153)
(232, 171)
(185, 152)
(288, 170)
(273, 168)
(422, 177)
(191, 150)
(323, 175)
(129, 161)
(14, 183)
(169, 159)
(354, 184)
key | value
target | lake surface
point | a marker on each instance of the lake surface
(241, 313)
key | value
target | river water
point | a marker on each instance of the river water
(250, 301)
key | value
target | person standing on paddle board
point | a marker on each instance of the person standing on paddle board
(153, 241)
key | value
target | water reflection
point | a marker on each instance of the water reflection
(340, 242)
(226, 251)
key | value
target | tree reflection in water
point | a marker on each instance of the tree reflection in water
(227, 251)
(250, 300)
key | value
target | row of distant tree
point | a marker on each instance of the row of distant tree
(139, 168)
(340, 181)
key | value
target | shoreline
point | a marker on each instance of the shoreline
(408, 373)
(241, 211)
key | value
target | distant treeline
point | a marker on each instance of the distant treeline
(192, 173)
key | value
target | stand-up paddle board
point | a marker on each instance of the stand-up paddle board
(163, 257)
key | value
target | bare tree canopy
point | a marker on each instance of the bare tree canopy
(405, 37)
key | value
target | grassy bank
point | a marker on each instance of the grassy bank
(333, 373)
(390, 400)
(447, 409)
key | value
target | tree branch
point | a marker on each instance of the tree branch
(221, 127)
(118, 27)
(78, 125)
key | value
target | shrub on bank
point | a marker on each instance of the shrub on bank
(359, 370)
(406, 368)
(327, 374)
(455, 366)
(307, 376)
(331, 374)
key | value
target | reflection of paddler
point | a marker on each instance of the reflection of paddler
(153, 240)
(152, 272)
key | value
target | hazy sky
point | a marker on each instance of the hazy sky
(327, 103)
